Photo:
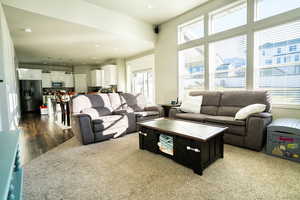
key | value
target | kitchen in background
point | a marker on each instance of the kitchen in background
(51, 89)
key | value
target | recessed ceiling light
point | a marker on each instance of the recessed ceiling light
(28, 30)
(97, 45)
(149, 6)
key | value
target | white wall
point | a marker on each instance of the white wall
(166, 58)
(121, 66)
(9, 90)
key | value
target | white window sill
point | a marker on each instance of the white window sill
(287, 106)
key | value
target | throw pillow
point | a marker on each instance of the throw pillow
(191, 104)
(245, 112)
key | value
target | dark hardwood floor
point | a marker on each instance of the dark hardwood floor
(39, 135)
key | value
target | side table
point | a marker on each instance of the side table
(167, 108)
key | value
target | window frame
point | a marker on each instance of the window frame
(249, 29)
(180, 93)
(213, 75)
(256, 12)
(224, 9)
(190, 22)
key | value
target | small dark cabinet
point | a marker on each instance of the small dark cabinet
(148, 140)
(184, 154)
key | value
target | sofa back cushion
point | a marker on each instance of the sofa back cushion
(116, 101)
(134, 102)
(232, 101)
(82, 102)
(210, 101)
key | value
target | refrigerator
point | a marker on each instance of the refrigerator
(31, 95)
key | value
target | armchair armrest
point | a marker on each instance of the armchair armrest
(173, 112)
(261, 115)
(155, 108)
(119, 112)
(256, 130)
(82, 128)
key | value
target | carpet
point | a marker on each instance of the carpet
(117, 169)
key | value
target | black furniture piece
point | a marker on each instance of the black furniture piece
(167, 108)
(195, 145)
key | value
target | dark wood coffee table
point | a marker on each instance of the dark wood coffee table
(195, 145)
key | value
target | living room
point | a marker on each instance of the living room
(145, 99)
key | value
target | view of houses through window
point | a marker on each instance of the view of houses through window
(277, 62)
(276, 55)
(228, 63)
(191, 71)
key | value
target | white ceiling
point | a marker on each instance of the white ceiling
(55, 41)
(151, 11)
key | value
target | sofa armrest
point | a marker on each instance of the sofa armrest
(173, 112)
(256, 132)
(155, 108)
(262, 115)
(82, 128)
(119, 112)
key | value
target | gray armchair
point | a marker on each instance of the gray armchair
(98, 117)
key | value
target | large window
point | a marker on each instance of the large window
(281, 79)
(191, 69)
(228, 17)
(248, 44)
(268, 8)
(228, 63)
(191, 30)
(142, 82)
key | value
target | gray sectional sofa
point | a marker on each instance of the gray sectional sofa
(98, 117)
(219, 108)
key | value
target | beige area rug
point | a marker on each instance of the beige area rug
(117, 169)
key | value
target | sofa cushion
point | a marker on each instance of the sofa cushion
(191, 104)
(111, 122)
(228, 110)
(115, 101)
(232, 129)
(210, 98)
(140, 119)
(146, 113)
(191, 116)
(81, 102)
(245, 112)
(210, 102)
(133, 102)
(94, 113)
(225, 120)
(245, 98)
(209, 110)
